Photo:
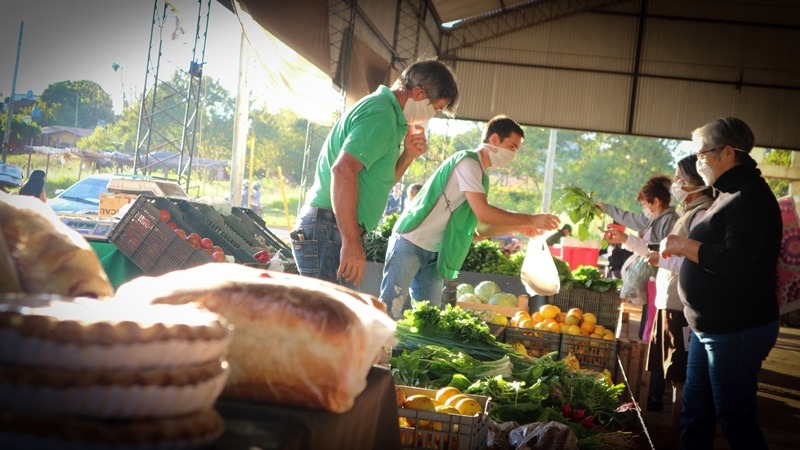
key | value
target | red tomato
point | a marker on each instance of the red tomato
(219, 257)
(193, 240)
(165, 215)
(180, 233)
(172, 225)
(206, 243)
(217, 248)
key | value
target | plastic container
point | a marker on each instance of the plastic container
(209, 223)
(592, 353)
(579, 256)
(150, 243)
(445, 431)
(537, 342)
(604, 305)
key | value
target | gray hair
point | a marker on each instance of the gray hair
(438, 81)
(727, 131)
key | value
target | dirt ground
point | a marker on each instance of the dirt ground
(778, 399)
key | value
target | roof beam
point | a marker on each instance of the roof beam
(471, 32)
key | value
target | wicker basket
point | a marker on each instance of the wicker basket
(150, 243)
(604, 305)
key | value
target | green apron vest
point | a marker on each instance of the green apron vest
(460, 227)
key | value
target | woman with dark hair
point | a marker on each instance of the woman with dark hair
(727, 285)
(34, 187)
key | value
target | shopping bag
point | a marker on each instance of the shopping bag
(539, 274)
(635, 274)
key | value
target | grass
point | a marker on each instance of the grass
(64, 172)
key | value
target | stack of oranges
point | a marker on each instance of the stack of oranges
(574, 322)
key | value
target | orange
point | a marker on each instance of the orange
(589, 317)
(525, 323)
(587, 327)
(554, 327)
(576, 312)
(560, 317)
(549, 311)
(537, 317)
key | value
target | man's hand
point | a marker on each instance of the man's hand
(600, 205)
(352, 261)
(529, 230)
(653, 258)
(544, 222)
(415, 142)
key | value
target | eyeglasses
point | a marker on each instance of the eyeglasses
(701, 154)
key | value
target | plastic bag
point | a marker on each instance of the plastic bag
(539, 274)
(635, 273)
(542, 436)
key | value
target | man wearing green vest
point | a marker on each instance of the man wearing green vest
(431, 238)
(359, 163)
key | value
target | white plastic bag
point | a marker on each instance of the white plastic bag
(539, 274)
(635, 273)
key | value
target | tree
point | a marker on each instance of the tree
(780, 158)
(22, 131)
(58, 104)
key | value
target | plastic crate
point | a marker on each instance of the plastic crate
(592, 353)
(457, 432)
(150, 243)
(209, 223)
(537, 342)
(256, 224)
(604, 305)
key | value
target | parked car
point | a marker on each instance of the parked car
(82, 197)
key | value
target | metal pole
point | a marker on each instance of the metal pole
(7, 133)
(240, 126)
(548, 171)
(76, 109)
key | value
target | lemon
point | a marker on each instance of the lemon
(574, 330)
(447, 409)
(554, 327)
(452, 401)
(499, 319)
(445, 393)
(420, 403)
(591, 318)
(519, 348)
(549, 311)
(576, 312)
(572, 320)
(468, 407)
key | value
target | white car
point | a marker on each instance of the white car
(82, 197)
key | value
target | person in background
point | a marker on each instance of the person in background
(360, 161)
(667, 352)
(10, 177)
(34, 187)
(411, 193)
(727, 285)
(654, 222)
(245, 192)
(616, 259)
(555, 238)
(432, 237)
(394, 204)
(255, 198)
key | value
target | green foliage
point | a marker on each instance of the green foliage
(484, 257)
(581, 209)
(59, 101)
(377, 241)
(780, 158)
(21, 131)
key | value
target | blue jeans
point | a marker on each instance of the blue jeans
(317, 255)
(721, 387)
(409, 266)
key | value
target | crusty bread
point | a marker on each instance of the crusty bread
(50, 258)
(297, 341)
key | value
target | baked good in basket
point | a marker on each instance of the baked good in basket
(298, 341)
(48, 256)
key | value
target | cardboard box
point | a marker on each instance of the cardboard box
(111, 203)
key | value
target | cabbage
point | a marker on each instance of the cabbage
(486, 289)
(503, 299)
(468, 297)
(464, 288)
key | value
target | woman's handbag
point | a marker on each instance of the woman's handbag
(539, 274)
(635, 273)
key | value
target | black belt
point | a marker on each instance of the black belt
(315, 212)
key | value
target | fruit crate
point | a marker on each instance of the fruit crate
(456, 432)
(256, 225)
(604, 305)
(537, 342)
(150, 243)
(207, 222)
(592, 353)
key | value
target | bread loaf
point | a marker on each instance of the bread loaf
(49, 257)
(297, 341)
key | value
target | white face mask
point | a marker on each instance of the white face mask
(418, 112)
(499, 156)
(681, 195)
(706, 172)
(647, 213)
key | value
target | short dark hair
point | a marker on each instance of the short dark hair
(503, 125)
(438, 81)
(688, 169)
(413, 189)
(656, 187)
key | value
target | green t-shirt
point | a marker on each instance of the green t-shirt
(371, 131)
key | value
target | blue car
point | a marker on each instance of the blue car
(82, 197)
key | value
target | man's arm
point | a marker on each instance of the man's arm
(344, 196)
(494, 216)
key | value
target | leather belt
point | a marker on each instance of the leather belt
(315, 212)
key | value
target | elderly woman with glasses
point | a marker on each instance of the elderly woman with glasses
(727, 284)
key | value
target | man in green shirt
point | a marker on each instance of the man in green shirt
(360, 162)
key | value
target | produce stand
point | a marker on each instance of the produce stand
(119, 268)
(370, 424)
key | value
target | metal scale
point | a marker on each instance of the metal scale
(93, 228)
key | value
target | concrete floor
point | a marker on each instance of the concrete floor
(778, 398)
